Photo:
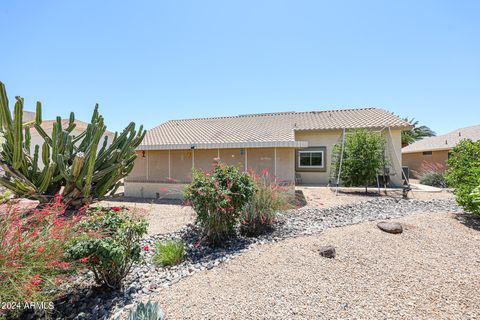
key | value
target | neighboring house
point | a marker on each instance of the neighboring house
(432, 153)
(293, 146)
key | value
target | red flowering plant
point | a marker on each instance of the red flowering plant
(108, 244)
(218, 199)
(32, 242)
(270, 197)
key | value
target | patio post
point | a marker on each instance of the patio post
(275, 162)
(146, 159)
(246, 160)
(169, 169)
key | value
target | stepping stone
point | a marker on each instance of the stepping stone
(390, 227)
(328, 252)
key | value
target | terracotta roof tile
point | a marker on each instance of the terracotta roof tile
(444, 142)
(268, 129)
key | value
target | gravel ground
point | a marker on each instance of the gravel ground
(163, 216)
(430, 271)
(324, 197)
(148, 281)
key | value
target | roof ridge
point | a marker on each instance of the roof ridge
(273, 114)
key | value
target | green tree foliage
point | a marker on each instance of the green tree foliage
(463, 173)
(218, 198)
(363, 158)
(86, 168)
(416, 133)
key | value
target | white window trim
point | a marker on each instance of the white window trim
(311, 151)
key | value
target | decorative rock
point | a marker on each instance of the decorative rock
(390, 227)
(328, 252)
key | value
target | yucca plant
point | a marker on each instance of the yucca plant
(82, 168)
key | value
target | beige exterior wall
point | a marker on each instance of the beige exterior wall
(417, 162)
(150, 173)
(328, 138)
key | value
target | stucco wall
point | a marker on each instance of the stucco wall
(151, 171)
(417, 162)
(328, 138)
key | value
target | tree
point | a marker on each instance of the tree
(416, 133)
(80, 168)
(463, 174)
(363, 158)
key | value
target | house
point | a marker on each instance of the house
(432, 153)
(293, 146)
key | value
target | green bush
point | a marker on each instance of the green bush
(109, 244)
(169, 253)
(31, 251)
(269, 198)
(434, 179)
(463, 173)
(363, 158)
(218, 198)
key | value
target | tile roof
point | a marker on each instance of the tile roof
(262, 130)
(444, 142)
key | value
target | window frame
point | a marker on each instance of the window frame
(322, 152)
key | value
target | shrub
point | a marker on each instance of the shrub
(434, 179)
(463, 173)
(363, 158)
(218, 199)
(31, 250)
(269, 198)
(169, 253)
(5, 197)
(109, 244)
(83, 167)
(144, 311)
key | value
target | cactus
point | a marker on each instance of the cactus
(144, 311)
(84, 168)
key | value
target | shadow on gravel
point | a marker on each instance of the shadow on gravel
(469, 220)
(144, 200)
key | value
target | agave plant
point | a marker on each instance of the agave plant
(82, 168)
(144, 311)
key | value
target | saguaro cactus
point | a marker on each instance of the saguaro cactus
(85, 171)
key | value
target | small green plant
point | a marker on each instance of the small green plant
(463, 173)
(5, 197)
(363, 158)
(144, 311)
(109, 244)
(269, 198)
(218, 198)
(169, 253)
(434, 179)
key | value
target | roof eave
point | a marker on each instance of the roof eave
(226, 145)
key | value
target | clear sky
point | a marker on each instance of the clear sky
(151, 61)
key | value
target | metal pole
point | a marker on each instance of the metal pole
(341, 160)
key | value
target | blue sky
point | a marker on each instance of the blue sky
(151, 61)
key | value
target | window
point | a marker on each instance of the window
(427, 153)
(310, 159)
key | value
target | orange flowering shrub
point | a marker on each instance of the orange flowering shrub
(31, 249)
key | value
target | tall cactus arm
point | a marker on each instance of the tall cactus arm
(46, 178)
(92, 155)
(18, 134)
(43, 134)
(28, 139)
(71, 123)
(5, 115)
(45, 154)
(35, 159)
(38, 113)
